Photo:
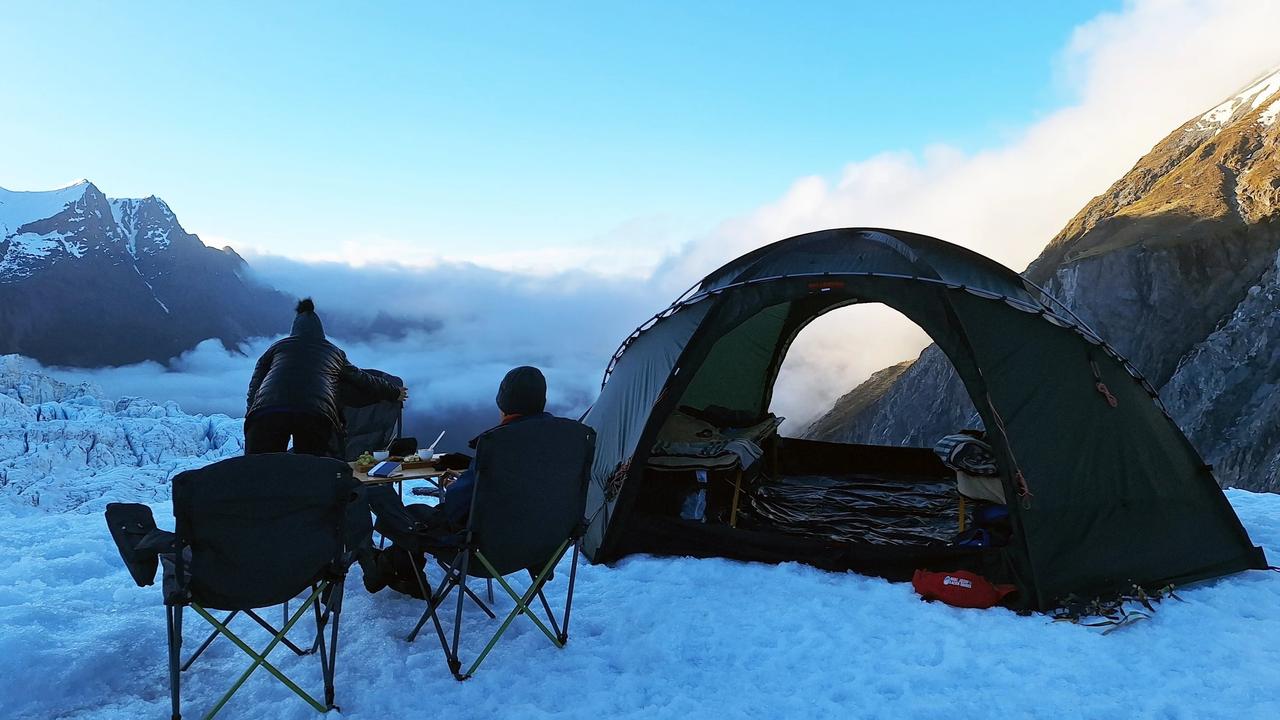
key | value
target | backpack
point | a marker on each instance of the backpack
(397, 570)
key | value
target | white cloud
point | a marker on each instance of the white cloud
(483, 323)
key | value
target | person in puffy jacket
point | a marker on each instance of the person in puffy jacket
(296, 387)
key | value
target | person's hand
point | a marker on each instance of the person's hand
(447, 479)
(404, 394)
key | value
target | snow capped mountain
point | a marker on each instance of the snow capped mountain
(41, 229)
(1243, 103)
(38, 229)
(21, 208)
(90, 280)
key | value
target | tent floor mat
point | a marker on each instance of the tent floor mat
(859, 508)
(659, 535)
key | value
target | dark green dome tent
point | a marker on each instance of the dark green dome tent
(1109, 492)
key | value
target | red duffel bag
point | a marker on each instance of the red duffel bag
(960, 588)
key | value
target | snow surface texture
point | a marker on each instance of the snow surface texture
(1268, 116)
(651, 637)
(19, 208)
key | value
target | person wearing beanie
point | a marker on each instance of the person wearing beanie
(522, 392)
(295, 390)
(522, 396)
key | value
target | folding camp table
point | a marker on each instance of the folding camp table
(429, 474)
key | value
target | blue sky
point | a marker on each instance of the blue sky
(507, 127)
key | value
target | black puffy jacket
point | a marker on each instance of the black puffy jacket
(306, 373)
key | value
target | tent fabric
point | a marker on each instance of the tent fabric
(621, 413)
(1113, 496)
(731, 375)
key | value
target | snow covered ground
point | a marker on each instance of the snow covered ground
(651, 637)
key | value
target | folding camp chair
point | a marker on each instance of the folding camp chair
(254, 532)
(527, 512)
(369, 423)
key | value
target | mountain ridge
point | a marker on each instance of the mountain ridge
(87, 280)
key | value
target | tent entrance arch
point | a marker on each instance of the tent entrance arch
(890, 510)
(1106, 491)
(883, 489)
(865, 346)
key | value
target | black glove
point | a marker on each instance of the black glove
(453, 461)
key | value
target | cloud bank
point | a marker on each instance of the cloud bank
(1137, 74)
(481, 323)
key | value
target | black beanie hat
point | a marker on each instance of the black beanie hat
(523, 392)
(306, 323)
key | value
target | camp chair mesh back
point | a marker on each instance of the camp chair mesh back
(253, 532)
(260, 528)
(370, 423)
(531, 482)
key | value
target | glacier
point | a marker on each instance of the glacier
(63, 449)
(650, 637)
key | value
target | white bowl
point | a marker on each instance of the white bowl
(381, 455)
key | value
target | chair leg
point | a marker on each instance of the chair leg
(521, 608)
(480, 603)
(173, 616)
(455, 664)
(260, 658)
(546, 606)
(322, 650)
(424, 586)
(568, 600)
(737, 491)
(489, 583)
(286, 642)
(207, 642)
(331, 665)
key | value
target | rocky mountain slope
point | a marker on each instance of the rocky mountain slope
(89, 280)
(1174, 265)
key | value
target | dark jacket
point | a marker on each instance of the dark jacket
(456, 504)
(306, 373)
